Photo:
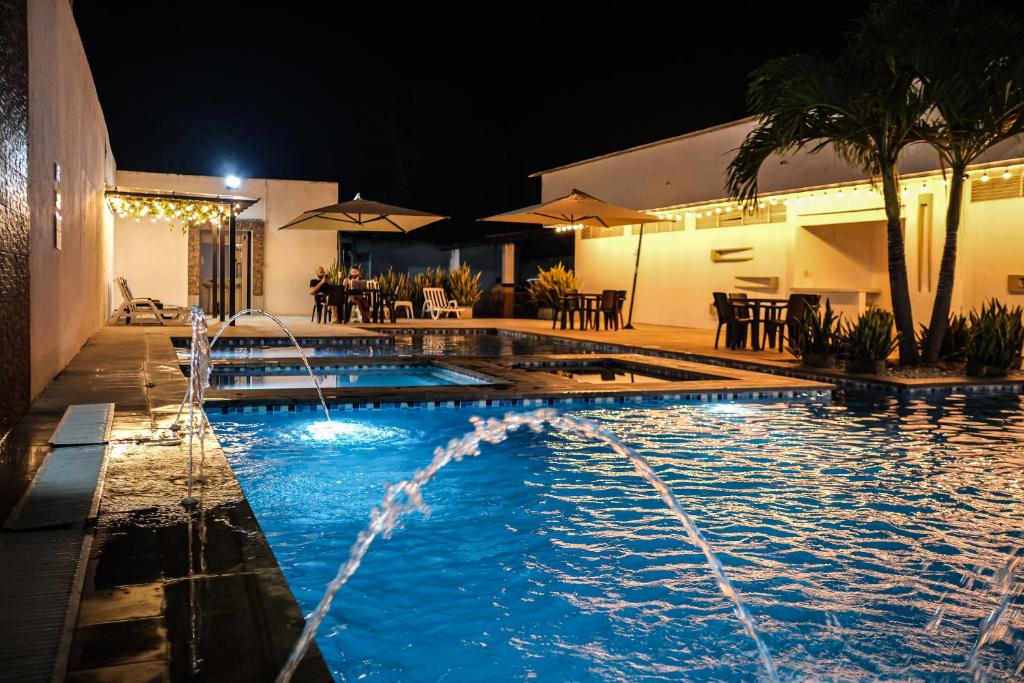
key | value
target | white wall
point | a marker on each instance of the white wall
(68, 286)
(293, 255)
(154, 256)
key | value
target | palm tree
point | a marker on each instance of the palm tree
(969, 60)
(861, 107)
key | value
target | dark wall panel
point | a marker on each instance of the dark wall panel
(14, 218)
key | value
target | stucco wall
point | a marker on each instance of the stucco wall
(154, 256)
(834, 244)
(69, 287)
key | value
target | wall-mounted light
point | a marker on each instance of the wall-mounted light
(232, 182)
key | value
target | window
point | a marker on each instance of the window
(996, 187)
(726, 219)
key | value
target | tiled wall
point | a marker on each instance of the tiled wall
(14, 215)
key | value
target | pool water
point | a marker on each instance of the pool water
(418, 344)
(844, 526)
(338, 378)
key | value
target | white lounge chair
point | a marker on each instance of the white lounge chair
(132, 308)
(436, 303)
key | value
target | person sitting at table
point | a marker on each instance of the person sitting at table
(318, 289)
(355, 281)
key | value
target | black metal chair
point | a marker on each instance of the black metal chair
(785, 326)
(609, 309)
(622, 306)
(319, 308)
(735, 318)
(568, 308)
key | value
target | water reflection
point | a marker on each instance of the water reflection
(869, 537)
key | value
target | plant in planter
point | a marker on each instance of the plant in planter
(818, 340)
(954, 342)
(395, 284)
(550, 285)
(995, 339)
(869, 342)
(429, 277)
(464, 287)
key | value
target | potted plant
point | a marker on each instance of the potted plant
(869, 342)
(995, 339)
(549, 286)
(818, 340)
(464, 287)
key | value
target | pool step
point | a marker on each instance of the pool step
(44, 546)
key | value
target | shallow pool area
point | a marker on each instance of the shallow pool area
(339, 377)
(864, 537)
(419, 343)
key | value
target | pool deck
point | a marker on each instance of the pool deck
(167, 595)
(171, 595)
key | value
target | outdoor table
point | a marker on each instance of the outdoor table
(338, 295)
(756, 305)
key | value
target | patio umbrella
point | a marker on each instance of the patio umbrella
(577, 210)
(361, 215)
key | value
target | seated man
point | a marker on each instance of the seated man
(355, 281)
(318, 288)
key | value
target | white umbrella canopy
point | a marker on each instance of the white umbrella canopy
(362, 215)
(576, 209)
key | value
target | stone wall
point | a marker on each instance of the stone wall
(15, 389)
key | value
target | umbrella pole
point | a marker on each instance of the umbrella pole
(636, 269)
(341, 254)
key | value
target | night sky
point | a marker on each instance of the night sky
(436, 109)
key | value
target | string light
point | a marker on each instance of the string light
(183, 213)
(869, 191)
(569, 228)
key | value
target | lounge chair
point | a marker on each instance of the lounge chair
(132, 308)
(436, 303)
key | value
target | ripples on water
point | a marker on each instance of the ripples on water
(865, 538)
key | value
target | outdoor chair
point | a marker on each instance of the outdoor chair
(403, 305)
(569, 307)
(321, 313)
(785, 321)
(436, 303)
(133, 308)
(609, 309)
(735, 318)
(622, 306)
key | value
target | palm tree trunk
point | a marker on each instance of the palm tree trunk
(947, 271)
(898, 284)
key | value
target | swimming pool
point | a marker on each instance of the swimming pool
(844, 526)
(297, 377)
(492, 344)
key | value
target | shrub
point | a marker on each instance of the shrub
(396, 285)
(995, 337)
(551, 284)
(463, 285)
(817, 334)
(954, 342)
(871, 338)
(430, 277)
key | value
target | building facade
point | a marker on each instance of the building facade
(819, 227)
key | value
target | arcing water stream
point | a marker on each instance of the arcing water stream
(406, 496)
